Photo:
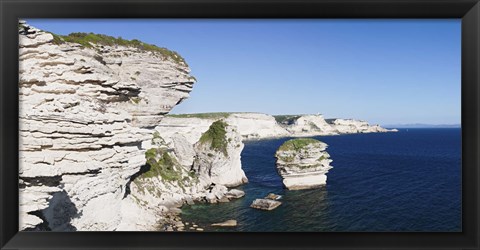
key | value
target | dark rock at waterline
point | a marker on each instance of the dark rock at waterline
(265, 204)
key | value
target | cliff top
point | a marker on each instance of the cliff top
(216, 136)
(214, 115)
(297, 144)
(89, 39)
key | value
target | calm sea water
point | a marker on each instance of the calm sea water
(405, 181)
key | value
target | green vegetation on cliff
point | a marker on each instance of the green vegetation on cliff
(216, 136)
(161, 164)
(297, 144)
(286, 119)
(214, 115)
(87, 39)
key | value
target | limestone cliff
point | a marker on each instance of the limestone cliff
(260, 126)
(303, 163)
(84, 108)
(256, 125)
(311, 125)
(351, 126)
(179, 172)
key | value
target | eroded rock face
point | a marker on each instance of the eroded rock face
(191, 128)
(179, 172)
(218, 155)
(83, 114)
(164, 184)
(351, 126)
(311, 125)
(256, 125)
(303, 163)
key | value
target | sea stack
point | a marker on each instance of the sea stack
(218, 156)
(303, 163)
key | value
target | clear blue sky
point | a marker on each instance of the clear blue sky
(382, 71)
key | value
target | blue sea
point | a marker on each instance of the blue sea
(404, 181)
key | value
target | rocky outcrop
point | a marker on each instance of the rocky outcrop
(83, 114)
(351, 126)
(235, 194)
(227, 223)
(260, 126)
(249, 125)
(311, 125)
(303, 163)
(265, 204)
(256, 125)
(270, 202)
(190, 128)
(218, 155)
(162, 186)
(179, 172)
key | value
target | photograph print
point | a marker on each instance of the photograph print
(240, 125)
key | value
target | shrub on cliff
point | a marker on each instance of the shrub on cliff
(216, 136)
(286, 119)
(161, 164)
(297, 144)
(87, 39)
(213, 115)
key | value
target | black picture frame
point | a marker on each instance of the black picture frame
(12, 10)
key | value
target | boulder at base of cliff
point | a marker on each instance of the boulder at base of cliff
(265, 204)
(235, 194)
(303, 163)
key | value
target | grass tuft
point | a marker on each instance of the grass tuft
(88, 39)
(214, 115)
(297, 144)
(286, 119)
(216, 136)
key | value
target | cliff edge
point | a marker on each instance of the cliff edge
(86, 103)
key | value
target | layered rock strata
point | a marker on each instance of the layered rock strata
(179, 172)
(303, 163)
(83, 114)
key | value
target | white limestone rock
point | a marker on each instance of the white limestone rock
(256, 125)
(190, 128)
(234, 194)
(303, 163)
(83, 114)
(218, 156)
(310, 125)
(252, 126)
(227, 223)
(183, 150)
(352, 126)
